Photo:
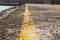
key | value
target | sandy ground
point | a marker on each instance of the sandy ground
(46, 18)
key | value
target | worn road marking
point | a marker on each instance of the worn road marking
(28, 30)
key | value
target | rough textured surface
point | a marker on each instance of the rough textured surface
(10, 26)
(46, 19)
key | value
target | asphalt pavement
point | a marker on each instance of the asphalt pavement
(45, 16)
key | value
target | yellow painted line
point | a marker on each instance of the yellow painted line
(28, 30)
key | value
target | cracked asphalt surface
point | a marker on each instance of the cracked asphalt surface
(46, 19)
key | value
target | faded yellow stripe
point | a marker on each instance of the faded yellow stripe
(28, 30)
